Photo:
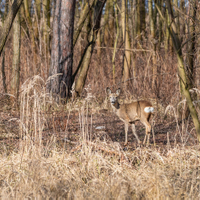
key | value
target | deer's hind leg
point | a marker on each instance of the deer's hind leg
(148, 131)
(134, 132)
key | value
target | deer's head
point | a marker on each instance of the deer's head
(113, 96)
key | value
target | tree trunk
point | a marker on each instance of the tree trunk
(152, 20)
(8, 23)
(109, 24)
(127, 54)
(182, 21)
(98, 44)
(191, 51)
(191, 44)
(37, 19)
(137, 18)
(167, 36)
(182, 74)
(54, 84)
(177, 17)
(160, 30)
(62, 50)
(105, 27)
(85, 60)
(134, 33)
(67, 30)
(3, 52)
(116, 40)
(16, 56)
(46, 32)
(142, 16)
(31, 32)
(82, 19)
(38, 8)
(183, 78)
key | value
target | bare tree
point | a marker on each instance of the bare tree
(62, 49)
(181, 69)
(108, 24)
(191, 44)
(152, 20)
(31, 33)
(46, 32)
(8, 22)
(127, 54)
(3, 52)
(85, 60)
(16, 56)
(83, 16)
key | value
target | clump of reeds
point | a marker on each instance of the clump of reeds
(102, 171)
(32, 109)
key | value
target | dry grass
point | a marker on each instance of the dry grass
(91, 169)
(91, 173)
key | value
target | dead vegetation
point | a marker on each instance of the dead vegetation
(76, 152)
(92, 173)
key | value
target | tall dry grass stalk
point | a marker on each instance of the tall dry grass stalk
(91, 173)
(182, 123)
(32, 110)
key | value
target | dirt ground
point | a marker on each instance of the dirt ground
(103, 125)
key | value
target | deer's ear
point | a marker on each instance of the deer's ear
(108, 90)
(118, 91)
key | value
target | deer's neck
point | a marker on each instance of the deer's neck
(115, 106)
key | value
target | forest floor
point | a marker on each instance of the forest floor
(81, 155)
(68, 127)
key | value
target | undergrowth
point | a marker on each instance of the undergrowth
(91, 169)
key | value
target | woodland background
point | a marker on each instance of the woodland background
(146, 49)
(59, 137)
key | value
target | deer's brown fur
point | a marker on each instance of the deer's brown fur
(131, 112)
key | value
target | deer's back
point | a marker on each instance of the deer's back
(135, 110)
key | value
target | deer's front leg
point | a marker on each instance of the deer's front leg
(126, 133)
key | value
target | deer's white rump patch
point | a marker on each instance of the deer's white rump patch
(148, 109)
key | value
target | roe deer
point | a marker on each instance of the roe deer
(131, 112)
